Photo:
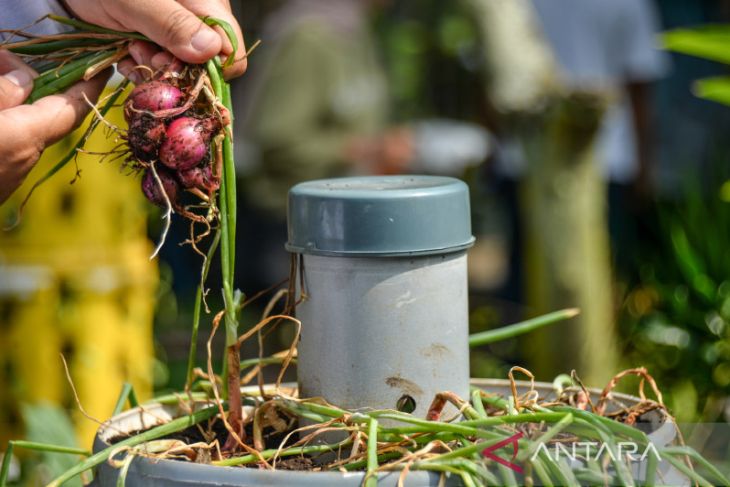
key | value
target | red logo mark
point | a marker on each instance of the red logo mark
(512, 440)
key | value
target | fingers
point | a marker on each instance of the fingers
(170, 25)
(147, 60)
(29, 129)
(136, 66)
(132, 71)
(221, 9)
(52, 117)
(10, 62)
(64, 112)
(173, 25)
(16, 80)
(143, 52)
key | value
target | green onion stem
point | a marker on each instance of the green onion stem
(253, 362)
(523, 327)
(287, 452)
(51, 47)
(172, 399)
(227, 206)
(35, 446)
(45, 447)
(5, 468)
(230, 33)
(127, 393)
(69, 78)
(173, 426)
(85, 26)
(198, 308)
(694, 455)
(372, 471)
(694, 476)
(54, 73)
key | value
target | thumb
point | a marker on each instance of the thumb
(16, 80)
(173, 27)
(15, 87)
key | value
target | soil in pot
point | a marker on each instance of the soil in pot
(627, 409)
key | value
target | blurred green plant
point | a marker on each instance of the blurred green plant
(678, 315)
(708, 42)
(432, 51)
(47, 423)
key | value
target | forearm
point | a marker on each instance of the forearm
(641, 111)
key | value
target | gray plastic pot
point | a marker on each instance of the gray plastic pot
(169, 473)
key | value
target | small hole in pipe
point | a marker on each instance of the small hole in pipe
(406, 404)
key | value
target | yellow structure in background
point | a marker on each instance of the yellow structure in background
(76, 279)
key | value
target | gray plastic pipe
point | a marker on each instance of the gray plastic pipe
(385, 318)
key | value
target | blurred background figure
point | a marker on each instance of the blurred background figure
(574, 113)
(615, 44)
(314, 106)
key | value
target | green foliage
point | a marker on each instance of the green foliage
(433, 53)
(678, 316)
(708, 42)
(714, 89)
(47, 423)
(680, 312)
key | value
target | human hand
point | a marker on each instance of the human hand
(390, 152)
(28, 129)
(397, 149)
(173, 25)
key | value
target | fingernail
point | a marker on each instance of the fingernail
(19, 78)
(202, 39)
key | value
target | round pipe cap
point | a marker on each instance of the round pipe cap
(379, 216)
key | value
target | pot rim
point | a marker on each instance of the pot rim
(155, 468)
